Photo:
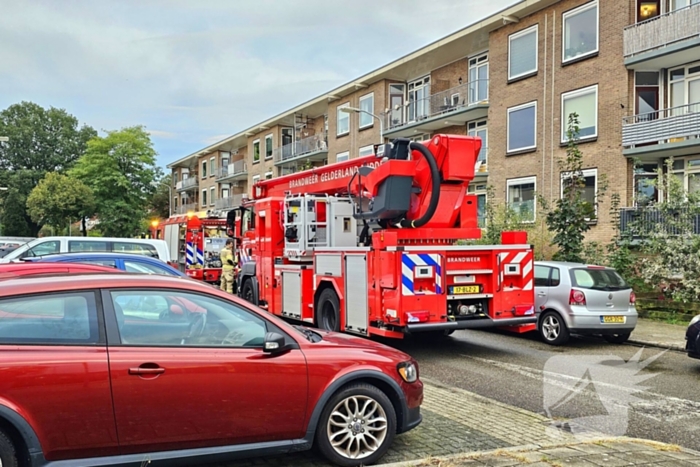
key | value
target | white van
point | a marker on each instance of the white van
(56, 245)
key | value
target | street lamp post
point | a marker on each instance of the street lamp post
(349, 110)
(2, 188)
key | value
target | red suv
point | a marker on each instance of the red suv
(100, 369)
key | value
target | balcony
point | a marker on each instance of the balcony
(185, 208)
(229, 203)
(234, 171)
(668, 132)
(640, 222)
(188, 183)
(664, 41)
(454, 106)
(313, 148)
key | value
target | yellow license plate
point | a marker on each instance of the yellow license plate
(465, 289)
(613, 319)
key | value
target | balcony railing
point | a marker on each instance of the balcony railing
(191, 182)
(641, 222)
(662, 30)
(661, 125)
(451, 100)
(185, 208)
(232, 170)
(309, 145)
(222, 172)
(229, 203)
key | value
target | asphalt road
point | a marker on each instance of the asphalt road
(520, 370)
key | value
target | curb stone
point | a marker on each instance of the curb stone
(535, 447)
(658, 345)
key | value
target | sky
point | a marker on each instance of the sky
(194, 72)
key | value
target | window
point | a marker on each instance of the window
(366, 150)
(688, 172)
(521, 127)
(583, 102)
(645, 190)
(588, 188)
(546, 276)
(204, 198)
(522, 53)
(580, 32)
(480, 192)
(176, 319)
(647, 9)
(521, 197)
(343, 120)
(44, 248)
(268, 147)
(396, 103)
(268, 175)
(212, 196)
(174, 204)
(175, 177)
(678, 4)
(256, 151)
(478, 128)
(77, 246)
(67, 318)
(204, 169)
(684, 89)
(224, 193)
(108, 263)
(256, 178)
(144, 268)
(342, 156)
(419, 99)
(135, 249)
(646, 91)
(367, 104)
(225, 158)
(600, 279)
(478, 79)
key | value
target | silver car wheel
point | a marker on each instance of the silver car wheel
(357, 427)
(551, 327)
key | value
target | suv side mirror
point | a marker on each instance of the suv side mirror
(274, 343)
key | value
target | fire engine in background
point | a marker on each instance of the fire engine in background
(370, 246)
(196, 243)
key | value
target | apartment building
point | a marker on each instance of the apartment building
(630, 69)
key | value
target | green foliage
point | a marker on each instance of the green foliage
(41, 141)
(619, 251)
(159, 202)
(59, 199)
(571, 215)
(14, 220)
(121, 170)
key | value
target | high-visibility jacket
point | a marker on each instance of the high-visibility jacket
(226, 256)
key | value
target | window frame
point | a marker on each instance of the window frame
(345, 116)
(108, 246)
(516, 35)
(256, 179)
(100, 340)
(256, 143)
(565, 118)
(514, 109)
(269, 172)
(571, 13)
(345, 154)
(212, 196)
(268, 148)
(203, 166)
(585, 173)
(203, 199)
(364, 114)
(212, 166)
(523, 181)
(369, 147)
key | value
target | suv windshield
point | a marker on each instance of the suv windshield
(598, 279)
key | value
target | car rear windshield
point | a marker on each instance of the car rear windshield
(598, 279)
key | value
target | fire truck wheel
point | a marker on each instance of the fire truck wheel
(247, 292)
(357, 426)
(328, 311)
(553, 329)
(8, 453)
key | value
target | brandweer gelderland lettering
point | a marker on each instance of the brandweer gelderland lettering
(336, 174)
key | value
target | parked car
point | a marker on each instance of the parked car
(574, 298)
(124, 262)
(4, 251)
(14, 270)
(55, 245)
(692, 338)
(129, 367)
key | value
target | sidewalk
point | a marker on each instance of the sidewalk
(602, 452)
(651, 333)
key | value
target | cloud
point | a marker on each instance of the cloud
(194, 70)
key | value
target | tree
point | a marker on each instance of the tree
(41, 141)
(14, 221)
(570, 217)
(59, 199)
(159, 202)
(121, 170)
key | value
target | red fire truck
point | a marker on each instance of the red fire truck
(195, 242)
(373, 246)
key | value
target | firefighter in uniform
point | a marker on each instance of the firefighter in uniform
(228, 263)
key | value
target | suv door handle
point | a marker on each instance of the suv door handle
(146, 371)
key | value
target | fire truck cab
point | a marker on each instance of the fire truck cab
(383, 245)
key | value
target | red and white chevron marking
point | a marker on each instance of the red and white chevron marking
(524, 259)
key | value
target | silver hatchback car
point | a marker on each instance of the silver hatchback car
(573, 298)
